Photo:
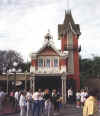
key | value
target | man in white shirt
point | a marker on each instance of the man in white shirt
(70, 96)
(36, 104)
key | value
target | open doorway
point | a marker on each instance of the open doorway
(50, 82)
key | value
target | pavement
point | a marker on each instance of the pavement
(8, 109)
(67, 110)
(70, 110)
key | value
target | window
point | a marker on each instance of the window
(55, 62)
(47, 62)
(40, 63)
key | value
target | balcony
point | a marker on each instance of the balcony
(48, 70)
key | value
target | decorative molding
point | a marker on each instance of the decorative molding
(64, 54)
(48, 70)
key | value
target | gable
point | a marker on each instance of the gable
(48, 51)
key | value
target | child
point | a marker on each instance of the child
(78, 97)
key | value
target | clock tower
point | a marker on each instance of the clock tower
(69, 33)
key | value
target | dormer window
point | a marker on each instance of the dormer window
(40, 62)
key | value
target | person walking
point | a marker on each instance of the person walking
(82, 97)
(70, 96)
(22, 103)
(48, 104)
(36, 104)
(2, 95)
(16, 98)
(16, 95)
(29, 99)
(90, 106)
(41, 100)
(55, 101)
(78, 97)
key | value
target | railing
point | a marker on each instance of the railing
(48, 70)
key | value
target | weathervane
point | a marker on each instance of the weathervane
(48, 35)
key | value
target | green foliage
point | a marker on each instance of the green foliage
(7, 58)
(26, 67)
(89, 68)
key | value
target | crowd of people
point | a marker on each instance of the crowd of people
(49, 102)
(46, 102)
(79, 96)
(87, 99)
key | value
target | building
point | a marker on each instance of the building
(52, 68)
(69, 33)
(58, 69)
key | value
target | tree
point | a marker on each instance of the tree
(25, 66)
(96, 66)
(89, 68)
(7, 58)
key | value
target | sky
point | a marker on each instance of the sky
(24, 23)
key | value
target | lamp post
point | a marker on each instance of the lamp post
(7, 82)
(9, 72)
(5, 72)
(15, 64)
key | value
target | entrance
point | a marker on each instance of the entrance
(48, 82)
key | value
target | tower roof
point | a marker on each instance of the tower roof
(68, 23)
(68, 17)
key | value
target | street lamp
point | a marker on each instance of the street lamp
(5, 72)
(9, 72)
(12, 70)
(15, 64)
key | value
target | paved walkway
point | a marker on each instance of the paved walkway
(71, 110)
(68, 110)
(8, 109)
